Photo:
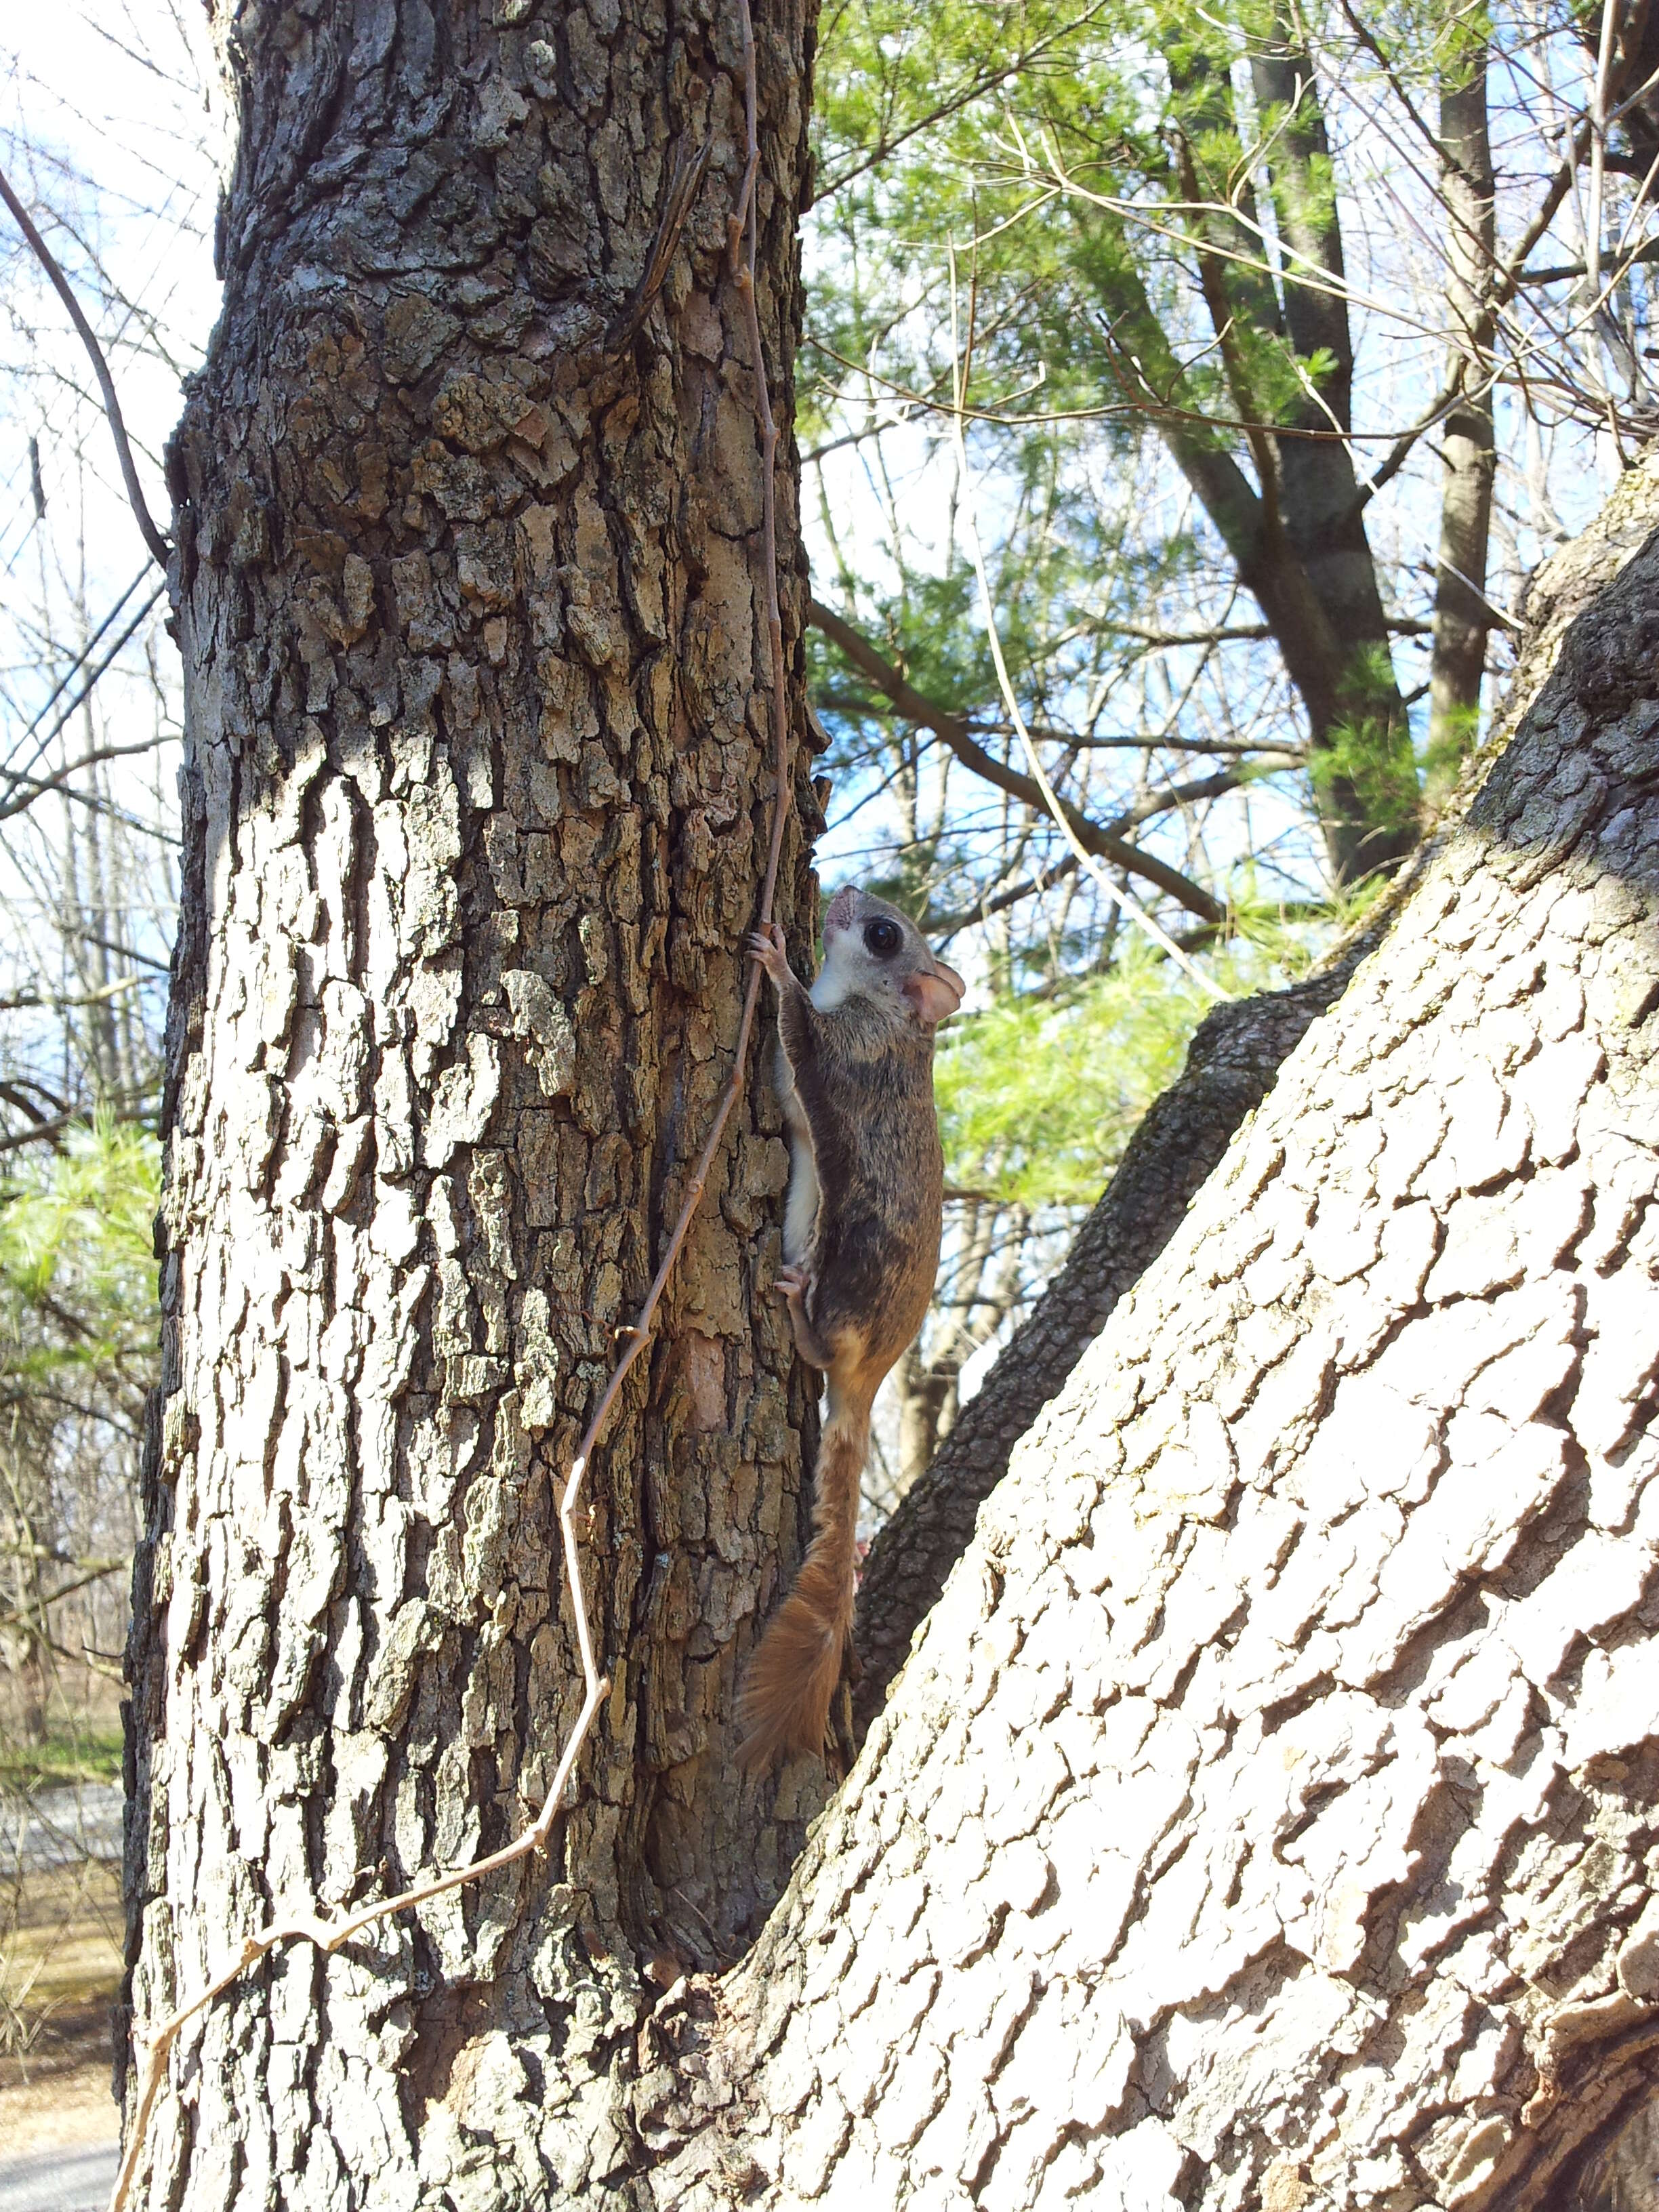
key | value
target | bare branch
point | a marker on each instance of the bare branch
(1118, 893)
(946, 926)
(43, 1132)
(1368, 40)
(25, 1000)
(86, 689)
(30, 787)
(60, 283)
(83, 657)
(14, 1092)
(1400, 451)
(1166, 640)
(1565, 272)
(95, 1573)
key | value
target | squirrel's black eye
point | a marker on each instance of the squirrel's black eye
(882, 937)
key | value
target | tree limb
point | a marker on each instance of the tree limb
(30, 787)
(95, 1574)
(953, 729)
(1511, 276)
(86, 689)
(81, 659)
(44, 1132)
(27, 1002)
(949, 925)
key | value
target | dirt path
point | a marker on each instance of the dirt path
(58, 2108)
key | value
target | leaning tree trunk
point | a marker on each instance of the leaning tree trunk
(1267, 1816)
(476, 801)
(1231, 1065)
(1233, 1062)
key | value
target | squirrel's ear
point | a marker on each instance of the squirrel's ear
(935, 994)
(842, 910)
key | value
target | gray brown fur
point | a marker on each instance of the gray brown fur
(857, 1082)
(865, 1079)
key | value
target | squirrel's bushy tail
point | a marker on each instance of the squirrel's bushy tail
(785, 1702)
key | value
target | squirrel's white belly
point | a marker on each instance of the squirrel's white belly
(800, 1206)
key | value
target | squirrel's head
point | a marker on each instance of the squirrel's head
(873, 950)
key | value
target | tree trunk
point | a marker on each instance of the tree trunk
(1233, 1062)
(1252, 527)
(1267, 1814)
(1368, 781)
(477, 782)
(1297, 536)
(1460, 620)
(1231, 1067)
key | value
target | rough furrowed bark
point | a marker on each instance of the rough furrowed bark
(1231, 1067)
(475, 799)
(1266, 1817)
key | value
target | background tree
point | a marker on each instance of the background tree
(77, 1360)
(89, 731)
(1043, 134)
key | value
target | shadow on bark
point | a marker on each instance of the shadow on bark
(1624, 2176)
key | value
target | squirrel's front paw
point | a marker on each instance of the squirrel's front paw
(767, 944)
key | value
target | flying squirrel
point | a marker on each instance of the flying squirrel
(854, 1074)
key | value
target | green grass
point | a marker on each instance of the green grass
(88, 1755)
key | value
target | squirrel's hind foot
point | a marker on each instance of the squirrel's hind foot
(794, 1284)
